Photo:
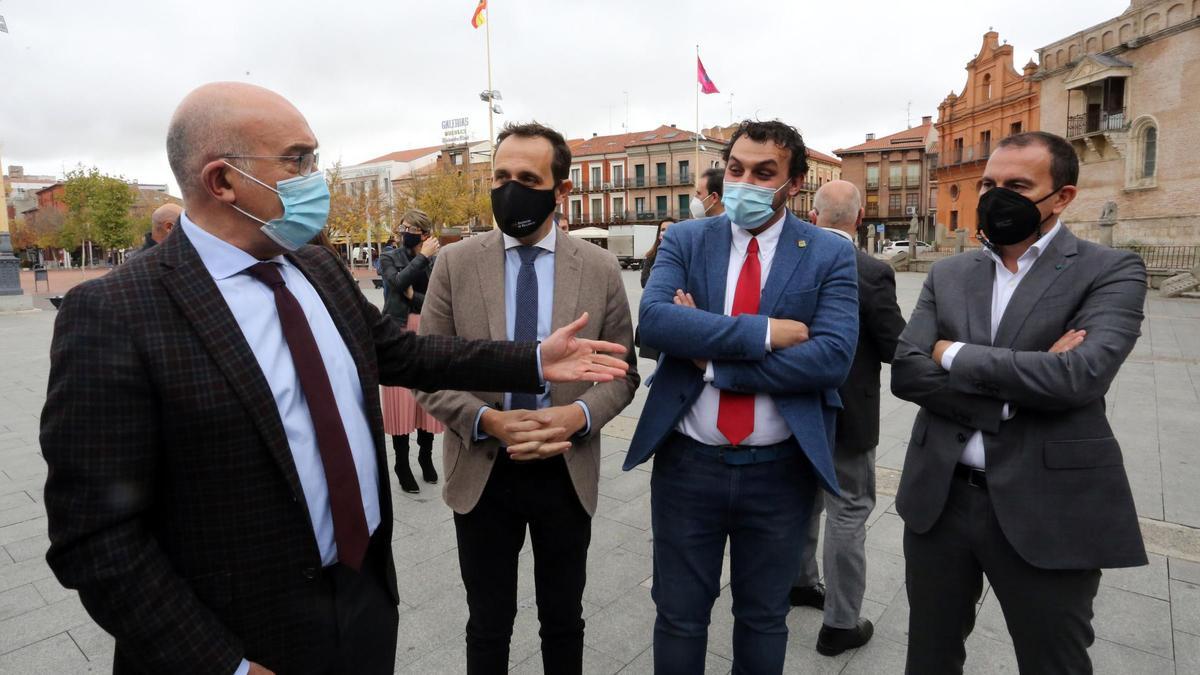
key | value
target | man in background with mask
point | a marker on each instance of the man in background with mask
(1012, 471)
(217, 487)
(756, 313)
(707, 199)
(526, 461)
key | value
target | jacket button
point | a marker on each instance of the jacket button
(309, 573)
(491, 454)
(962, 438)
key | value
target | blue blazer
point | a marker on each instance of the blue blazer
(813, 279)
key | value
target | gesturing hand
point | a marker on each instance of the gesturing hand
(566, 358)
(1070, 340)
(787, 333)
(430, 246)
(564, 422)
(256, 669)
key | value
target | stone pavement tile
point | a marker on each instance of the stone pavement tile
(612, 446)
(1187, 653)
(635, 513)
(1133, 620)
(594, 663)
(1148, 580)
(1114, 659)
(986, 656)
(421, 545)
(608, 534)
(96, 644)
(420, 583)
(989, 622)
(880, 655)
(22, 530)
(437, 624)
(612, 574)
(626, 486)
(24, 572)
(883, 504)
(890, 453)
(644, 664)
(1184, 570)
(29, 547)
(17, 601)
(885, 576)
(14, 499)
(610, 465)
(625, 628)
(41, 623)
(51, 656)
(443, 659)
(1185, 606)
(887, 535)
(893, 623)
(642, 544)
(29, 467)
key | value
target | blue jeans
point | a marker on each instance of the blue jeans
(696, 503)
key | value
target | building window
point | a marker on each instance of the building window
(912, 203)
(985, 144)
(894, 175)
(958, 151)
(953, 193)
(1141, 168)
(1149, 152)
(872, 176)
(576, 210)
(660, 172)
(894, 206)
(685, 172)
(1014, 129)
(660, 205)
(987, 87)
(953, 221)
(618, 175)
(597, 211)
(618, 207)
(575, 178)
(912, 174)
(639, 176)
(596, 177)
(872, 210)
(684, 212)
(639, 205)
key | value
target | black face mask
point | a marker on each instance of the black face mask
(410, 239)
(1007, 217)
(521, 210)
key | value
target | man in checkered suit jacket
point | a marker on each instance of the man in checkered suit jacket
(182, 497)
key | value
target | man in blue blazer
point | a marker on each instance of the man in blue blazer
(756, 313)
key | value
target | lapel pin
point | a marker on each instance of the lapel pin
(1058, 266)
(801, 243)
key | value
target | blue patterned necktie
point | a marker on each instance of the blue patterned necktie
(526, 324)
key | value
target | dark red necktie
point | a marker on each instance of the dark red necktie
(735, 416)
(345, 498)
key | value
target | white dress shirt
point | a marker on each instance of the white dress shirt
(700, 423)
(1003, 287)
(253, 306)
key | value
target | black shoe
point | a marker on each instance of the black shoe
(834, 641)
(808, 596)
(403, 471)
(425, 457)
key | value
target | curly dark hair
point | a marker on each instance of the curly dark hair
(560, 165)
(782, 135)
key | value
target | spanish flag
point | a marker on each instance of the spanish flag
(478, 18)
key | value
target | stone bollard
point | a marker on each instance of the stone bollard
(960, 240)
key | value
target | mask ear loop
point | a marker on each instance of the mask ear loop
(239, 209)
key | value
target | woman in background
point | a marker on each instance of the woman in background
(650, 352)
(405, 271)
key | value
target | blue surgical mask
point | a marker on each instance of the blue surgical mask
(750, 206)
(305, 202)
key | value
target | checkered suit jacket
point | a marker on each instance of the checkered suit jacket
(173, 500)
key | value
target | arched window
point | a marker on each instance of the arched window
(1149, 152)
(987, 87)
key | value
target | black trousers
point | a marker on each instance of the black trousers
(1048, 612)
(538, 496)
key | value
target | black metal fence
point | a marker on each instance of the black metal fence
(1167, 257)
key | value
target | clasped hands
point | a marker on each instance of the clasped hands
(1070, 340)
(784, 332)
(534, 434)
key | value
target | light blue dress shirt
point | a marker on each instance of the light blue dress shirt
(543, 265)
(253, 306)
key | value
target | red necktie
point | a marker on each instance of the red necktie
(735, 416)
(345, 500)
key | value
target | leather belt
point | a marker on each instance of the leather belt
(974, 477)
(740, 455)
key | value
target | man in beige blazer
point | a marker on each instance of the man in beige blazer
(517, 461)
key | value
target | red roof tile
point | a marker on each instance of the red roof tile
(908, 138)
(405, 155)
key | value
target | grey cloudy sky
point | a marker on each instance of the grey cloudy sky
(95, 82)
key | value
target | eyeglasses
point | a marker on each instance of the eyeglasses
(305, 164)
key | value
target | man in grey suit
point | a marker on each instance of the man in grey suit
(837, 207)
(1012, 470)
(517, 462)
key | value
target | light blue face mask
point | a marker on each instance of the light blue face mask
(750, 206)
(305, 202)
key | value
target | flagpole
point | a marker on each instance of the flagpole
(487, 26)
(696, 170)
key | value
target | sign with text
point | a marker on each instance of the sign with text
(456, 131)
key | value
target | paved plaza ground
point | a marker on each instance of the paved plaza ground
(1147, 619)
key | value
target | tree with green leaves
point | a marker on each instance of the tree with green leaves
(97, 209)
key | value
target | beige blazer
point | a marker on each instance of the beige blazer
(466, 298)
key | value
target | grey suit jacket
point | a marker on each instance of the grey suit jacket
(466, 298)
(1055, 473)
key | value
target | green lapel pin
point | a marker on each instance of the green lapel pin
(801, 243)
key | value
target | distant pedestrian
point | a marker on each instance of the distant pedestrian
(162, 221)
(405, 270)
(706, 201)
(650, 352)
(837, 207)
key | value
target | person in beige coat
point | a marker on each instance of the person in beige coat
(517, 461)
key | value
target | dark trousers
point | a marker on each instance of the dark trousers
(360, 624)
(538, 495)
(698, 502)
(1048, 612)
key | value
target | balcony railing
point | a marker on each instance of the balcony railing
(966, 154)
(872, 184)
(1167, 257)
(1096, 122)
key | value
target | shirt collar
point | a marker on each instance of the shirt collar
(766, 239)
(1035, 249)
(838, 232)
(222, 259)
(546, 243)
